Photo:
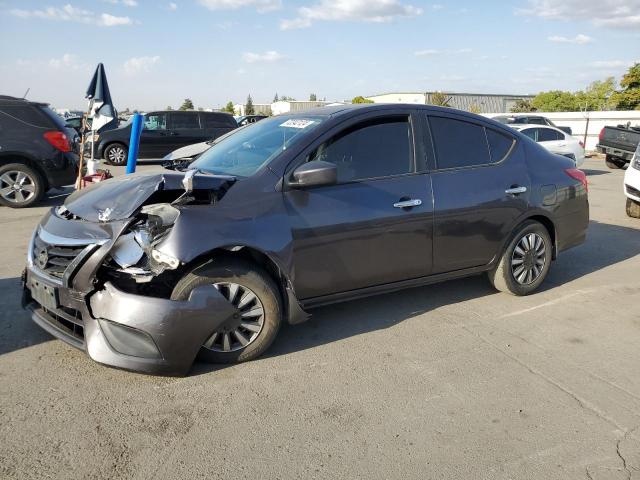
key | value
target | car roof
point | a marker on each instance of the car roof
(338, 110)
(522, 126)
(9, 100)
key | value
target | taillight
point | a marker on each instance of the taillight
(601, 135)
(578, 175)
(58, 140)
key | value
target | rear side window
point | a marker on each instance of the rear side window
(459, 143)
(499, 144)
(379, 148)
(536, 121)
(25, 115)
(184, 120)
(548, 135)
(531, 133)
(212, 120)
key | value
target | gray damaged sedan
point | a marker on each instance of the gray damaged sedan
(147, 272)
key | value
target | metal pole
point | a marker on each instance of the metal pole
(134, 142)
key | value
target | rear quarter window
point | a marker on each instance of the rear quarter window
(26, 115)
(184, 120)
(499, 144)
(213, 120)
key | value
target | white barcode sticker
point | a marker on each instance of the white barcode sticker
(297, 123)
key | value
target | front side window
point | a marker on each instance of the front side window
(155, 121)
(459, 143)
(184, 120)
(246, 149)
(378, 148)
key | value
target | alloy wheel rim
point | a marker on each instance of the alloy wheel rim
(116, 154)
(528, 259)
(249, 322)
(17, 186)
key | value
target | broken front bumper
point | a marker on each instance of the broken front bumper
(120, 329)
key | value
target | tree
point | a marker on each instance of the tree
(313, 97)
(597, 96)
(522, 105)
(275, 98)
(475, 108)
(169, 107)
(248, 107)
(361, 99)
(629, 97)
(229, 108)
(187, 104)
(555, 101)
(440, 99)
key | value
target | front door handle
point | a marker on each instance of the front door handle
(408, 203)
(515, 190)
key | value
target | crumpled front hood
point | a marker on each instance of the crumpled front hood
(118, 198)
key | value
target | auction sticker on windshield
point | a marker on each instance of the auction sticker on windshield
(297, 123)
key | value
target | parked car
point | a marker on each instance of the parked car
(555, 140)
(528, 119)
(291, 213)
(36, 152)
(632, 185)
(76, 124)
(618, 144)
(247, 119)
(163, 132)
(191, 152)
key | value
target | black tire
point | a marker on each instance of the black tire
(613, 162)
(116, 154)
(633, 208)
(503, 277)
(20, 186)
(255, 280)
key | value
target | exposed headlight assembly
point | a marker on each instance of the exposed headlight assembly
(635, 161)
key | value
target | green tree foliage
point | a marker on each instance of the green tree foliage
(629, 97)
(440, 99)
(555, 101)
(361, 99)
(228, 108)
(187, 104)
(169, 107)
(275, 98)
(248, 107)
(313, 97)
(474, 108)
(284, 98)
(597, 96)
(522, 105)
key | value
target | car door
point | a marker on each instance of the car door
(480, 188)
(185, 129)
(375, 225)
(155, 137)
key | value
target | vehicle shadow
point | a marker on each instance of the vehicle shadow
(593, 173)
(17, 331)
(606, 245)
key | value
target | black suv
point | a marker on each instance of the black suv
(290, 213)
(163, 132)
(35, 151)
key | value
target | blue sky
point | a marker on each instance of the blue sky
(156, 53)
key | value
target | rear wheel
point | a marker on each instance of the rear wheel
(252, 291)
(525, 262)
(614, 162)
(633, 208)
(20, 185)
(116, 154)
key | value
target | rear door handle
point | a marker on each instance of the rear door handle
(408, 203)
(515, 190)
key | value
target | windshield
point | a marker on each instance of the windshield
(247, 149)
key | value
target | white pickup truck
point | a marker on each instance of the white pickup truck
(632, 185)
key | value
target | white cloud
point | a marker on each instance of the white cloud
(68, 61)
(437, 6)
(172, 6)
(579, 39)
(260, 5)
(140, 64)
(427, 52)
(609, 64)
(69, 13)
(607, 13)
(432, 51)
(270, 56)
(376, 11)
(126, 3)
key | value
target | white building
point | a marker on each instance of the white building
(258, 108)
(472, 102)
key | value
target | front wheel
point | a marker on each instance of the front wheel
(525, 262)
(116, 154)
(252, 291)
(20, 186)
(633, 208)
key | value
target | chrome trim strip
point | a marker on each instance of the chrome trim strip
(52, 239)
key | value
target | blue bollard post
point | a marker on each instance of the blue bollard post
(134, 142)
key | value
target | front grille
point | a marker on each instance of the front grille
(54, 260)
(68, 320)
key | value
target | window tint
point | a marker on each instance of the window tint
(459, 143)
(374, 149)
(184, 120)
(548, 135)
(214, 120)
(532, 133)
(499, 144)
(537, 121)
(20, 115)
(155, 121)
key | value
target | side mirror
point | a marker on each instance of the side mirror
(313, 174)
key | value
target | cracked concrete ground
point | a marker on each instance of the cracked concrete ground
(448, 381)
